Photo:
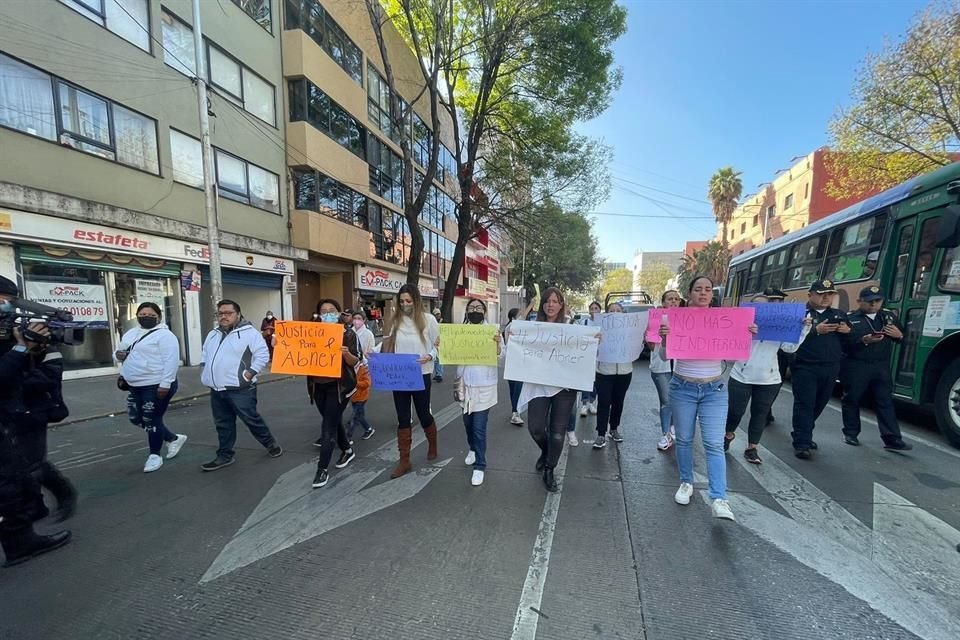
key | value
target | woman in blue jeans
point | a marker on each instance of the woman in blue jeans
(697, 391)
(477, 392)
(515, 385)
(661, 371)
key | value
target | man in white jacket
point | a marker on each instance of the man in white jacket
(233, 354)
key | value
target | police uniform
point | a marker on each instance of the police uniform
(865, 374)
(815, 369)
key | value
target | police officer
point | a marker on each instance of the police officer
(773, 294)
(816, 365)
(866, 371)
(21, 501)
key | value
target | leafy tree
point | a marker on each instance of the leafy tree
(654, 279)
(905, 117)
(615, 280)
(711, 261)
(724, 191)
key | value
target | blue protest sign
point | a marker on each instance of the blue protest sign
(396, 372)
(778, 321)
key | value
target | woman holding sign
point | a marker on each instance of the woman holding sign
(697, 391)
(613, 380)
(413, 331)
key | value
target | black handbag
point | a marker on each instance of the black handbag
(121, 382)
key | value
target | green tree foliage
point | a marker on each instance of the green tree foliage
(724, 191)
(615, 280)
(654, 279)
(905, 114)
(711, 261)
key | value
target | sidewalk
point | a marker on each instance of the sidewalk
(90, 398)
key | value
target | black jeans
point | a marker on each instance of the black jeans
(869, 380)
(421, 402)
(812, 387)
(231, 404)
(146, 410)
(327, 398)
(611, 392)
(547, 420)
(760, 397)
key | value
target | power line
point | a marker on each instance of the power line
(669, 193)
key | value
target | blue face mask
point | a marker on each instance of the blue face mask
(7, 307)
(330, 317)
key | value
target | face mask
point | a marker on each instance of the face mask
(7, 307)
(475, 317)
(358, 324)
(148, 322)
(407, 309)
(330, 317)
(269, 316)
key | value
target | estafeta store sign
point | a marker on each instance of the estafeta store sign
(39, 228)
(377, 279)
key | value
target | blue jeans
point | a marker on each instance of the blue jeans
(437, 368)
(476, 426)
(515, 388)
(146, 410)
(707, 401)
(662, 382)
(359, 418)
(231, 404)
(588, 396)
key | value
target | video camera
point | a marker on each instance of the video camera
(63, 330)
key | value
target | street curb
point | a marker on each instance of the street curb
(181, 400)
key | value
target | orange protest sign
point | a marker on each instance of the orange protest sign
(308, 349)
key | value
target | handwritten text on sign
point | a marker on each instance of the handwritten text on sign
(713, 333)
(468, 344)
(308, 349)
(653, 325)
(778, 321)
(396, 372)
(622, 336)
(559, 355)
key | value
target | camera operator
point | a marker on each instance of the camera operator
(29, 391)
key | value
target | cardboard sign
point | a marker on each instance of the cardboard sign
(778, 321)
(653, 325)
(623, 335)
(468, 344)
(559, 355)
(395, 372)
(308, 348)
(711, 333)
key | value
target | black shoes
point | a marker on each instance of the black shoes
(851, 440)
(30, 545)
(727, 439)
(813, 446)
(275, 451)
(217, 464)
(803, 454)
(66, 507)
(770, 419)
(897, 445)
(345, 458)
(541, 461)
(320, 479)
(318, 443)
(548, 480)
(752, 456)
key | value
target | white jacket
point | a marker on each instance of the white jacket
(154, 360)
(409, 340)
(227, 356)
(762, 367)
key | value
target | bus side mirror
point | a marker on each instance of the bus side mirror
(948, 232)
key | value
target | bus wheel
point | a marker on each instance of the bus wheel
(946, 403)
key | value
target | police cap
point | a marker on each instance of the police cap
(772, 293)
(823, 286)
(870, 294)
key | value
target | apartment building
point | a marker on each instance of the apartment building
(101, 199)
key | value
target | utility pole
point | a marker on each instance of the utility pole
(209, 186)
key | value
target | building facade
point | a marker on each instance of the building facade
(652, 270)
(101, 199)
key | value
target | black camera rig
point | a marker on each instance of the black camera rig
(63, 328)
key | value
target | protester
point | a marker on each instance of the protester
(756, 381)
(613, 380)
(816, 365)
(697, 392)
(267, 329)
(150, 357)
(437, 366)
(661, 371)
(588, 399)
(514, 385)
(865, 374)
(416, 332)
(330, 397)
(233, 356)
(773, 294)
(477, 392)
(366, 342)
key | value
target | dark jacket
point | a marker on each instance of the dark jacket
(878, 352)
(826, 349)
(347, 382)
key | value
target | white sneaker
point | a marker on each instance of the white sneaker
(477, 478)
(173, 448)
(153, 463)
(666, 441)
(572, 438)
(673, 432)
(516, 419)
(593, 407)
(721, 509)
(683, 493)
(470, 459)
(583, 410)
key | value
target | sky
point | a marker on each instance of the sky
(710, 83)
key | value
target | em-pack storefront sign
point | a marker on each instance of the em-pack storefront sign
(377, 279)
(48, 230)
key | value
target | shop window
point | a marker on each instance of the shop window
(854, 248)
(129, 19)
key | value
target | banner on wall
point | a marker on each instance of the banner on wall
(151, 291)
(87, 302)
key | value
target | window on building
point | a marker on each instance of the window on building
(422, 141)
(772, 211)
(386, 170)
(178, 49)
(309, 104)
(26, 100)
(446, 165)
(129, 19)
(244, 182)
(225, 72)
(259, 10)
(756, 220)
(854, 248)
(312, 19)
(732, 233)
(743, 228)
(788, 201)
(806, 259)
(315, 191)
(806, 191)
(381, 111)
(187, 159)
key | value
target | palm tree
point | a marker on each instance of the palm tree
(711, 261)
(724, 190)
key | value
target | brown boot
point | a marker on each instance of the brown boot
(431, 434)
(404, 440)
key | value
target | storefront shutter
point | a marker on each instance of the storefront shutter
(245, 278)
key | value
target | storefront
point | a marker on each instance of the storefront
(101, 275)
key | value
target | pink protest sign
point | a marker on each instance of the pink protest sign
(653, 325)
(714, 333)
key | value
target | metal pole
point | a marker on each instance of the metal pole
(766, 221)
(209, 185)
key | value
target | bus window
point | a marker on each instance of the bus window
(753, 278)
(774, 270)
(921, 272)
(903, 262)
(806, 259)
(854, 248)
(949, 279)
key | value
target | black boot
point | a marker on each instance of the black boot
(62, 489)
(548, 480)
(541, 461)
(26, 544)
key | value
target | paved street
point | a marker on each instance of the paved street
(859, 543)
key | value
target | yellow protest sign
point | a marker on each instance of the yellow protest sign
(308, 348)
(468, 344)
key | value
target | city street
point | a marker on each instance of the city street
(858, 543)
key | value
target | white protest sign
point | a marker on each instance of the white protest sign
(559, 355)
(622, 333)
